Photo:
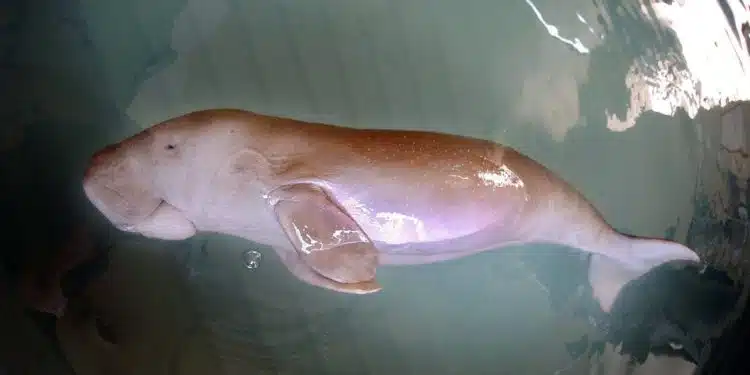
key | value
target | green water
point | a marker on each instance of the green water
(91, 72)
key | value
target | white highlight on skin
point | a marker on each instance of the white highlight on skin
(339, 237)
(395, 223)
(347, 236)
(393, 227)
(307, 243)
(502, 178)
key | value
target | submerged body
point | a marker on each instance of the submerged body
(337, 202)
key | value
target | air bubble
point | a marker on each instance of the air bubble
(251, 259)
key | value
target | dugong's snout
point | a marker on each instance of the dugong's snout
(120, 182)
(120, 186)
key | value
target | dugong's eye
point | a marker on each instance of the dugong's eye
(170, 146)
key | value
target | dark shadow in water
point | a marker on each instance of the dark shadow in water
(55, 113)
(686, 305)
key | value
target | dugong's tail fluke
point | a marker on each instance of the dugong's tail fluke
(641, 254)
(627, 258)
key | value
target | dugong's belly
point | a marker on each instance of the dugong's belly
(394, 214)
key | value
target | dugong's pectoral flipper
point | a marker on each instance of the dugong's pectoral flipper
(325, 237)
(302, 271)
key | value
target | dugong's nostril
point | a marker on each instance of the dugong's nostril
(101, 160)
(102, 155)
(95, 162)
(89, 173)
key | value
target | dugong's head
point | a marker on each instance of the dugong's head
(128, 181)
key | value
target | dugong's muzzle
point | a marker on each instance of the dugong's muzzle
(120, 186)
(119, 182)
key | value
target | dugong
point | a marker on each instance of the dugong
(336, 202)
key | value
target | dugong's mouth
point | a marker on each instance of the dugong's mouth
(133, 208)
(166, 222)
